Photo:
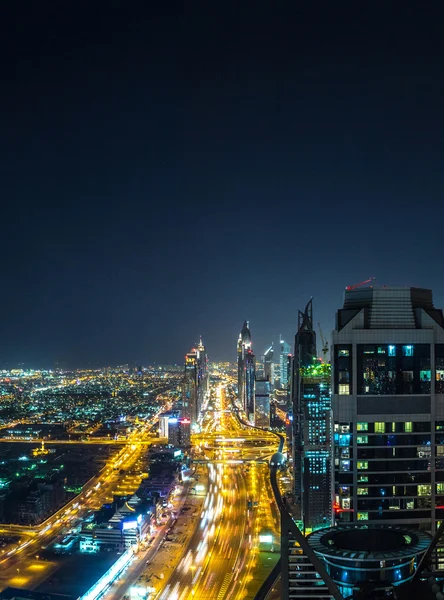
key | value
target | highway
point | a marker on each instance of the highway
(221, 558)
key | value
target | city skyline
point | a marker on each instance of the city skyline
(148, 164)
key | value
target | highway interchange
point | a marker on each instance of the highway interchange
(222, 558)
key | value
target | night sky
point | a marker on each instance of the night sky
(171, 169)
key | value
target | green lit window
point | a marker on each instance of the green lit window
(424, 490)
(393, 427)
(362, 426)
(362, 464)
(363, 479)
(440, 488)
(379, 427)
(344, 389)
(362, 439)
(408, 427)
(362, 491)
(407, 350)
(362, 516)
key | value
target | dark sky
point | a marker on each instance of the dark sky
(171, 169)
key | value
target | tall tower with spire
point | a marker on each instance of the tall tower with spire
(246, 372)
(312, 425)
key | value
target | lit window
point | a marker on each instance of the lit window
(344, 389)
(408, 427)
(440, 488)
(424, 490)
(393, 427)
(439, 450)
(379, 427)
(362, 464)
(407, 350)
(343, 352)
(362, 439)
(345, 503)
(381, 349)
(362, 516)
(344, 439)
(362, 491)
(363, 479)
(392, 350)
(410, 504)
(344, 465)
(362, 426)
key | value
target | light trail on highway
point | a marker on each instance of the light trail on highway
(221, 556)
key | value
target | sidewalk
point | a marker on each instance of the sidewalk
(166, 560)
(136, 571)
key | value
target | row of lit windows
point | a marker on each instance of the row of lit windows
(422, 490)
(382, 428)
(390, 350)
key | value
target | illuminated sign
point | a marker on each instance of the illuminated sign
(111, 575)
(186, 421)
(177, 453)
(266, 539)
(129, 525)
(172, 420)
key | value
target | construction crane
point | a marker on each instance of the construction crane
(356, 285)
(324, 343)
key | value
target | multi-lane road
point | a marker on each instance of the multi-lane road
(221, 560)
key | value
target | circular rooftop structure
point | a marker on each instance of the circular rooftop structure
(278, 459)
(384, 553)
(371, 539)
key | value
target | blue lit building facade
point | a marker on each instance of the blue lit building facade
(312, 427)
(388, 408)
(285, 350)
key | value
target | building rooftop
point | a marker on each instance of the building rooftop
(388, 308)
(369, 542)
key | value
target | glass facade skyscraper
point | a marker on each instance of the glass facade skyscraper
(269, 365)
(312, 426)
(388, 408)
(285, 350)
(246, 375)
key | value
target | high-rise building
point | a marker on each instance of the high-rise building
(262, 403)
(285, 350)
(246, 372)
(202, 375)
(195, 383)
(190, 387)
(269, 365)
(388, 408)
(312, 428)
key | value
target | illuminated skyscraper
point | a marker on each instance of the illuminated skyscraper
(269, 365)
(388, 407)
(190, 387)
(285, 350)
(312, 428)
(195, 382)
(202, 375)
(262, 403)
(246, 372)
